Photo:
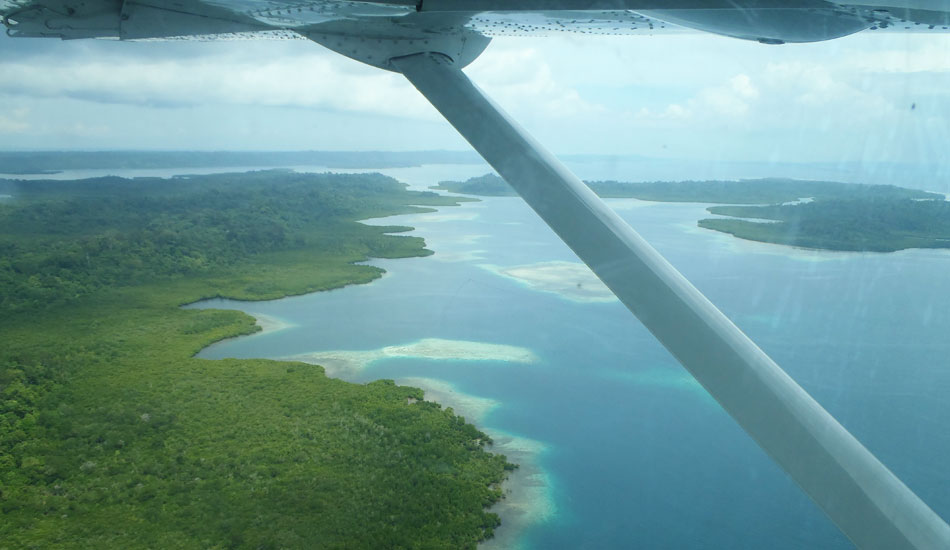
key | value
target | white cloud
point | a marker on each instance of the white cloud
(14, 121)
(698, 94)
(818, 88)
(807, 83)
(727, 101)
(786, 94)
(82, 130)
(521, 79)
(672, 112)
(12, 125)
(742, 85)
(317, 80)
(930, 56)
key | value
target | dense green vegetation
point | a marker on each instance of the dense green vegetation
(758, 191)
(840, 216)
(43, 162)
(112, 435)
(489, 185)
(880, 225)
(752, 191)
(62, 240)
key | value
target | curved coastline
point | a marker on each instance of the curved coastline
(196, 446)
(528, 491)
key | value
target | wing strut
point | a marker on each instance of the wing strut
(866, 501)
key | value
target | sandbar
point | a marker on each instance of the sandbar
(269, 323)
(570, 280)
(456, 248)
(441, 217)
(346, 363)
(466, 256)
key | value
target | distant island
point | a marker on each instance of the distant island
(489, 185)
(29, 172)
(751, 191)
(51, 162)
(859, 224)
(811, 214)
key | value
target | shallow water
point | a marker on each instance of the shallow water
(629, 450)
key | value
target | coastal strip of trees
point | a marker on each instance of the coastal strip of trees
(854, 224)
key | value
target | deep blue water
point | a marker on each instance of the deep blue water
(637, 455)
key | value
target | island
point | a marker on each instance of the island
(857, 224)
(113, 435)
(51, 162)
(29, 172)
(809, 214)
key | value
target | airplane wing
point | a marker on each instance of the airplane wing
(429, 41)
(768, 21)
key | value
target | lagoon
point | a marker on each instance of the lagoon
(622, 448)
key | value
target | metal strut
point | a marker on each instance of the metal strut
(861, 496)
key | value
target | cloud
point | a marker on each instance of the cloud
(930, 56)
(727, 101)
(693, 92)
(521, 79)
(742, 85)
(12, 126)
(819, 89)
(14, 121)
(796, 94)
(313, 80)
(731, 99)
(673, 112)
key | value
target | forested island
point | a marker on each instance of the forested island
(751, 191)
(859, 224)
(810, 214)
(113, 435)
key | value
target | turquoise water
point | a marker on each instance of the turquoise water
(634, 454)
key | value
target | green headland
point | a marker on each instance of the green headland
(113, 435)
(810, 214)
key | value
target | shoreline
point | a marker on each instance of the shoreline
(528, 499)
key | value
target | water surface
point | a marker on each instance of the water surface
(632, 451)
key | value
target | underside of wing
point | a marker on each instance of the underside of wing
(768, 21)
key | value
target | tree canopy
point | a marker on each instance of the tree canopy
(113, 435)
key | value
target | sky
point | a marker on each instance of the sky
(881, 96)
